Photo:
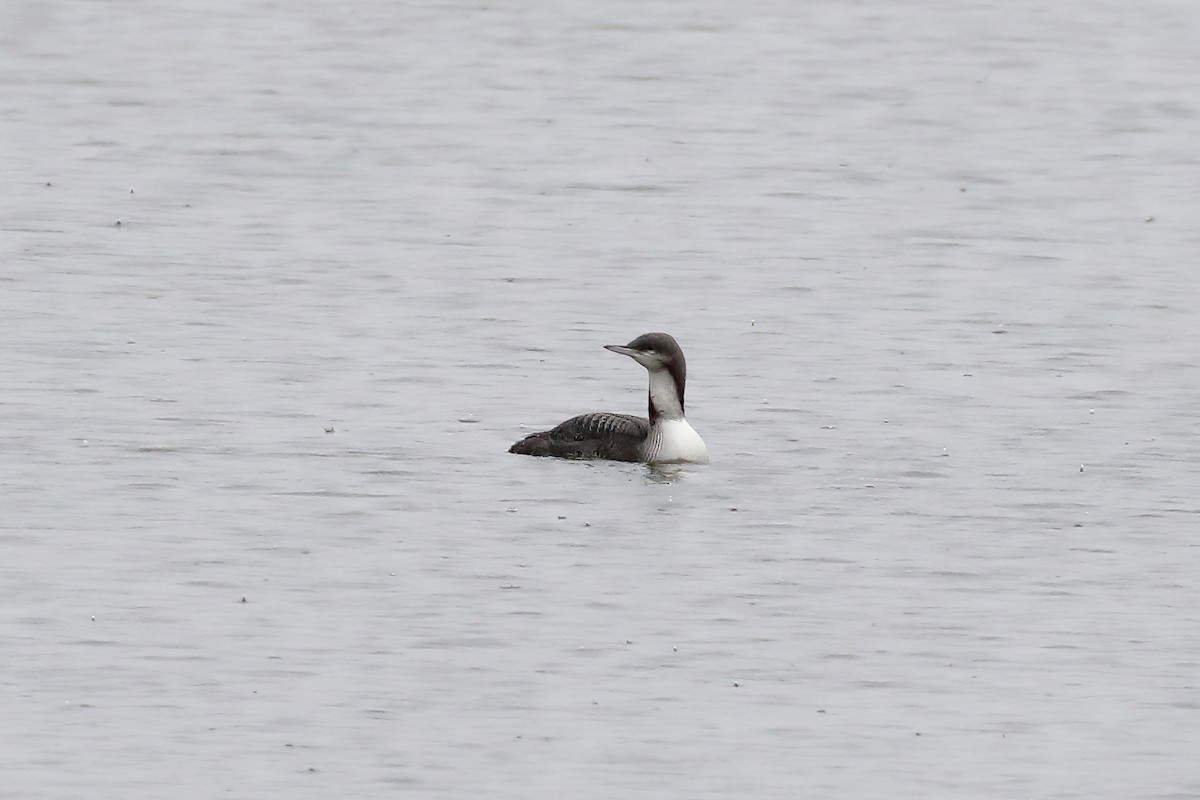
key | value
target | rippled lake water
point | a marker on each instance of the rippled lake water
(281, 283)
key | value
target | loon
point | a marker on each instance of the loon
(665, 437)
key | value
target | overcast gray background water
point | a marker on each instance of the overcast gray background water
(935, 269)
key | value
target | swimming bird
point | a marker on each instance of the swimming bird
(665, 437)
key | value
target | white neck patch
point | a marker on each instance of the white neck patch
(664, 396)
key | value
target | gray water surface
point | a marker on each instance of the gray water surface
(934, 268)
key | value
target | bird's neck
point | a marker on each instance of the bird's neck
(666, 396)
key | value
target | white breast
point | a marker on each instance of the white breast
(675, 440)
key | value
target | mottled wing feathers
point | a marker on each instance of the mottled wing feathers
(617, 437)
(600, 425)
